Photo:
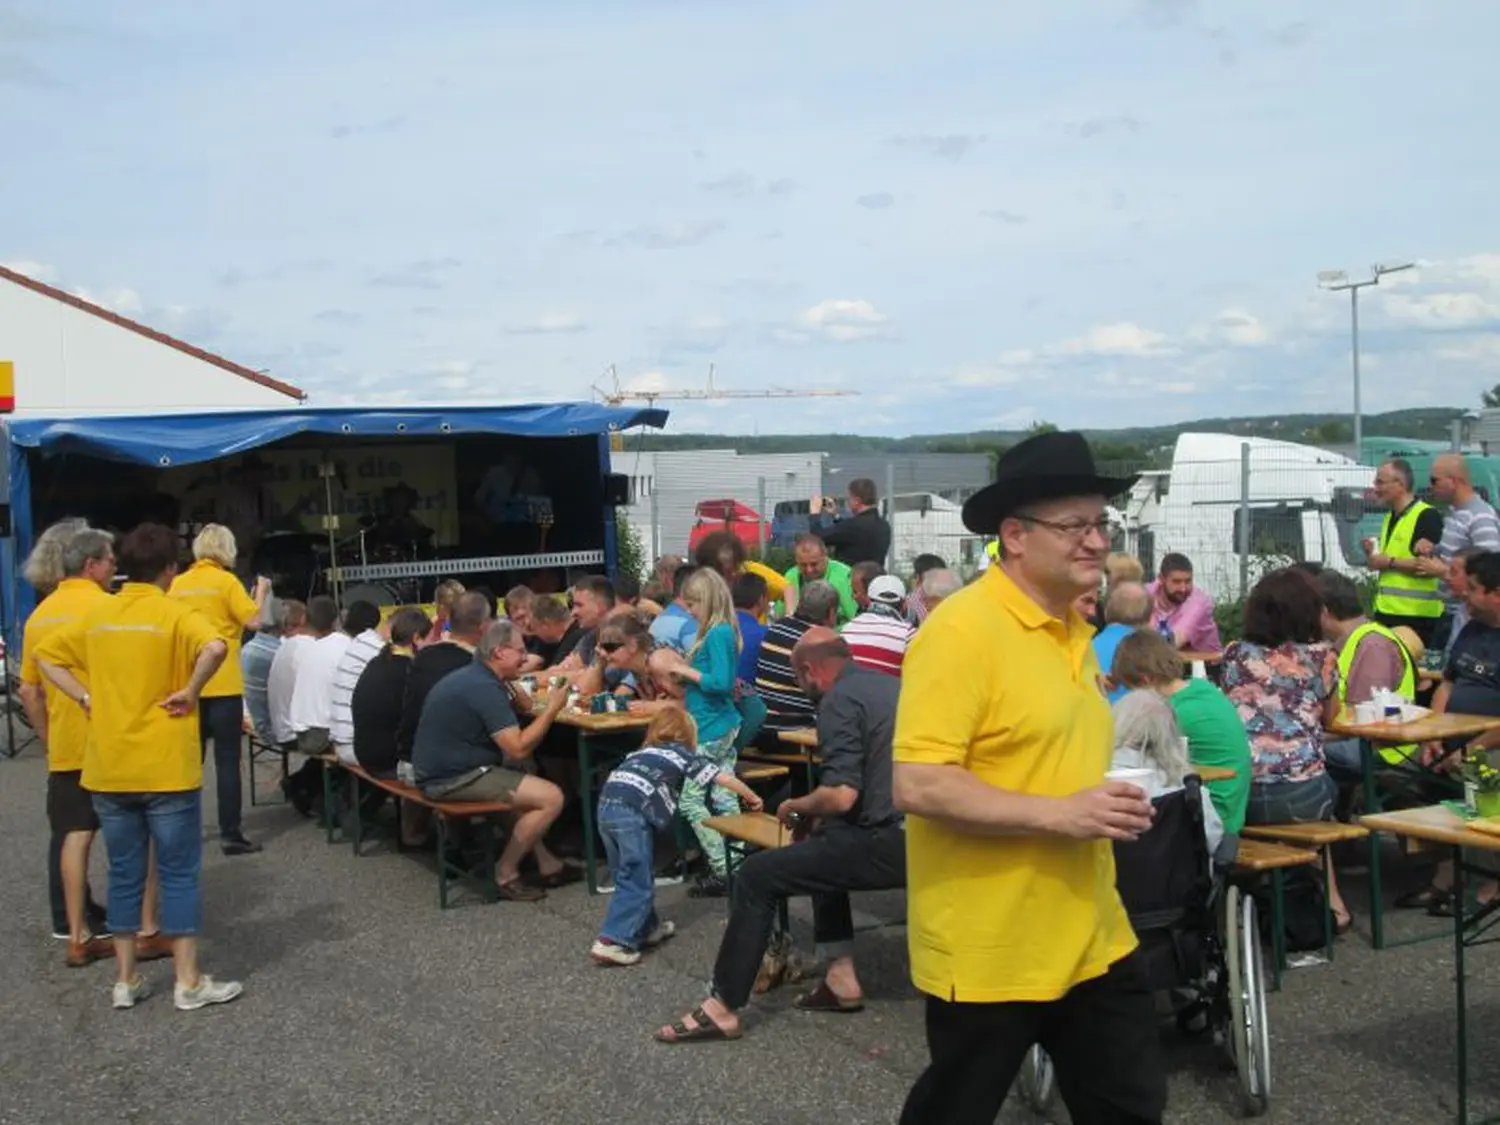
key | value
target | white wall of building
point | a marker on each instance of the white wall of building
(70, 362)
(669, 485)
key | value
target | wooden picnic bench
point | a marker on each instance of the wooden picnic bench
(1265, 857)
(481, 877)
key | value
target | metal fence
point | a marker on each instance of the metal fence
(1233, 517)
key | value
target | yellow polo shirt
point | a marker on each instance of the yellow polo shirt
(995, 685)
(217, 594)
(135, 649)
(67, 722)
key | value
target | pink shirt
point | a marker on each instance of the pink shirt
(1193, 620)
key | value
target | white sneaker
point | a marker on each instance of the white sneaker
(209, 991)
(608, 953)
(129, 994)
(663, 931)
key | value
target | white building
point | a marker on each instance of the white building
(668, 487)
(69, 357)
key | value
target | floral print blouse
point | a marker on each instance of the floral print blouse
(1279, 694)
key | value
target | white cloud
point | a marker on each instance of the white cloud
(1232, 326)
(1446, 309)
(843, 320)
(649, 381)
(671, 236)
(1123, 338)
(126, 302)
(37, 271)
(550, 324)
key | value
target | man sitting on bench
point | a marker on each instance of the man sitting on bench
(848, 837)
(469, 746)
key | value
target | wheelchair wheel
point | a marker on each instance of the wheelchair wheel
(1038, 1082)
(1249, 1036)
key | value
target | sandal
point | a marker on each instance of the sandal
(561, 877)
(1342, 923)
(825, 999)
(519, 891)
(1422, 898)
(703, 1031)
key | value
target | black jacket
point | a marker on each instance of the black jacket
(862, 538)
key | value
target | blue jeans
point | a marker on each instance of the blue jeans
(629, 844)
(130, 823)
(1292, 802)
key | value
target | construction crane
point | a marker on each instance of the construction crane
(618, 394)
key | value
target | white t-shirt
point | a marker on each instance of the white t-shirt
(312, 697)
(362, 649)
(280, 682)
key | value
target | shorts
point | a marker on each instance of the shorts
(70, 807)
(498, 784)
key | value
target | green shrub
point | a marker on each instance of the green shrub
(630, 552)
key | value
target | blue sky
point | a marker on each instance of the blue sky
(973, 214)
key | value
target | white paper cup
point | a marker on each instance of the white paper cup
(1138, 776)
(1367, 713)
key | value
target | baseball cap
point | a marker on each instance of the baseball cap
(887, 589)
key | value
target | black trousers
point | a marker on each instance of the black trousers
(827, 866)
(1102, 1038)
(220, 719)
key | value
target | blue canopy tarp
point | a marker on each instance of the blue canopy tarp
(186, 439)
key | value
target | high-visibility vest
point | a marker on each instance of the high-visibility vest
(1405, 595)
(1395, 755)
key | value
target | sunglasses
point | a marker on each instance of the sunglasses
(610, 647)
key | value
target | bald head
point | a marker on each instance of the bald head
(1450, 478)
(1128, 604)
(818, 659)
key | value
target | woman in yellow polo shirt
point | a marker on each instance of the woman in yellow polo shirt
(725, 552)
(211, 587)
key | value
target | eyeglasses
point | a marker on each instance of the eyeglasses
(1076, 530)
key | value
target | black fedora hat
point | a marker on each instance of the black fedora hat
(1045, 467)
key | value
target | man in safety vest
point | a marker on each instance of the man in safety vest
(1405, 596)
(1370, 657)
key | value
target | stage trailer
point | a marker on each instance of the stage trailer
(492, 490)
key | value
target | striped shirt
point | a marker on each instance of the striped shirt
(787, 705)
(362, 649)
(878, 641)
(1470, 524)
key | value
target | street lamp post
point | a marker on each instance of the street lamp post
(1336, 281)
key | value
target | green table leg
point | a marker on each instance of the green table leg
(1372, 805)
(1328, 903)
(357, 833)
(1459, 987)
(328, 818)
(442, 848)
(1278, 928)
(586, 810)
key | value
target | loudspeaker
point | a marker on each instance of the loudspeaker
(617, 489)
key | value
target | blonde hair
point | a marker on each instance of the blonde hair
(216, 543)
(448, 591)
(707, 589)
(672, 724)
(1121, 567)
(44, 566)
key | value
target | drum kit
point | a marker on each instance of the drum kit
(298, 564)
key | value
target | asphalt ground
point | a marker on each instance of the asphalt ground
(365, 1003)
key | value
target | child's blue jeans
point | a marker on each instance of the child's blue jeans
(629, 844)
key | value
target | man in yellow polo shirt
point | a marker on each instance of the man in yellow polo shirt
(136, 663)
(1016, 931)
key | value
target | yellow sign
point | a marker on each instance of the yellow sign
(7, 386)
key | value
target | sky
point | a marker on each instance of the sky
(968, 215)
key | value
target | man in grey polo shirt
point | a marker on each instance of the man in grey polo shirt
(849, 838)
(470, 746)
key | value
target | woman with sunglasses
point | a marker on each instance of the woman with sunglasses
(623, 665)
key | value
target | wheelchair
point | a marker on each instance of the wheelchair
(1199, 944)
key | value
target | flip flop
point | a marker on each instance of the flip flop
(518, 891)
(824, 999)
(706, 1030)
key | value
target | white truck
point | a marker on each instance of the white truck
(1305, 505)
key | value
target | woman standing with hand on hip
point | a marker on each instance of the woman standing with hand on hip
(211, 587)
(708, 671)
